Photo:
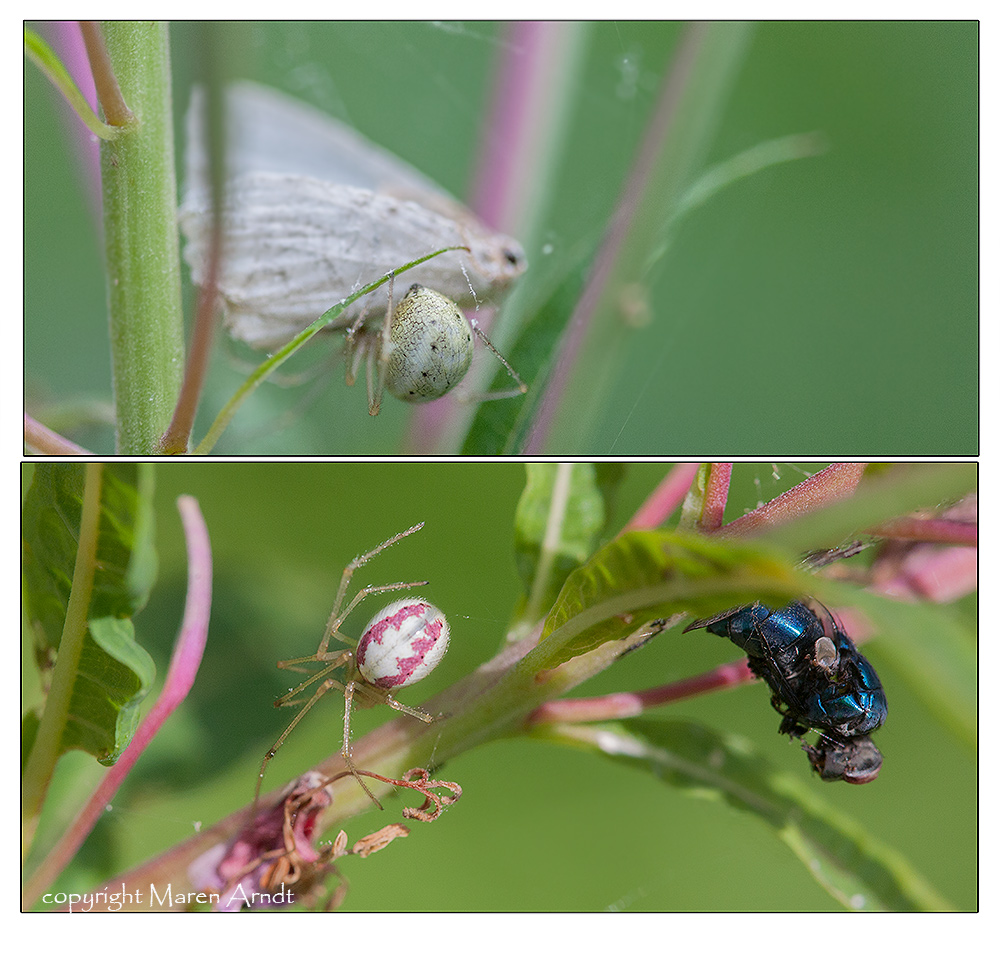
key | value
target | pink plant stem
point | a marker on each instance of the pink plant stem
(510, 139)
(716, 494)
(835, 482)
(618, 705)
(184, 665)
(934, 531)
(68, 43)
(581, 319)
(44, 441)
(508, 151)
(665, 498)
(177, 437)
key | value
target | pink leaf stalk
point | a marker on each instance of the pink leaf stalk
(618, 705)
(716, 495)
(68, 43)
(669, 495)
(41, 439)
(912, 564)
(835, 482)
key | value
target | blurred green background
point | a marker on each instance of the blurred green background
(827, 305)
(539, 827)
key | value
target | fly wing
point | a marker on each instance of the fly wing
(718, 617)
(308, 220)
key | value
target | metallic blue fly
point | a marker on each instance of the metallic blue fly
(818, 680)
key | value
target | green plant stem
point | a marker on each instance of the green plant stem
(45, 752)
(141, 247)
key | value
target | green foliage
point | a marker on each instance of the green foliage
(859, 872)
(935, 653)
(718, 756)
(563, 509)
(750, 280)
(113, 673)
(653, 574)
(502, 427)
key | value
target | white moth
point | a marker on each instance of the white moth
(313, 211)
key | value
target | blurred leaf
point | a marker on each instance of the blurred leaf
(502, 427)
(745, 164)
(859, 872)
(934, 652)
(29, 731)
(113, 673)
(559, 517)
(692, 99)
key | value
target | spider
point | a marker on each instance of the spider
(423, 349)
(399, 646)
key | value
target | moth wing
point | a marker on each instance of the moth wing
(270, 131)
(294, 246)
(314, 211)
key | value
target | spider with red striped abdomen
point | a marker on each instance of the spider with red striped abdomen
(398, 647)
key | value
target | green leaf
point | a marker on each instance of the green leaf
(934, 652)
(109, 701)
(502, 427)
(858, 871)
(653, 574)
(48, 61)
(561, 512)
(98, 693)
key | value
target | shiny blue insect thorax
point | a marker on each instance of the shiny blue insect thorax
(845, 698)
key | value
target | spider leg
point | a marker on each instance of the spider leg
(354, 343)
(379, 358)
(337, 617)
(286, 699)
(334, 625)
(336, 659)
(420, 715)
(346, 748)
(323, 688)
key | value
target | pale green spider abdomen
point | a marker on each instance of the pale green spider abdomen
(430, 346)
